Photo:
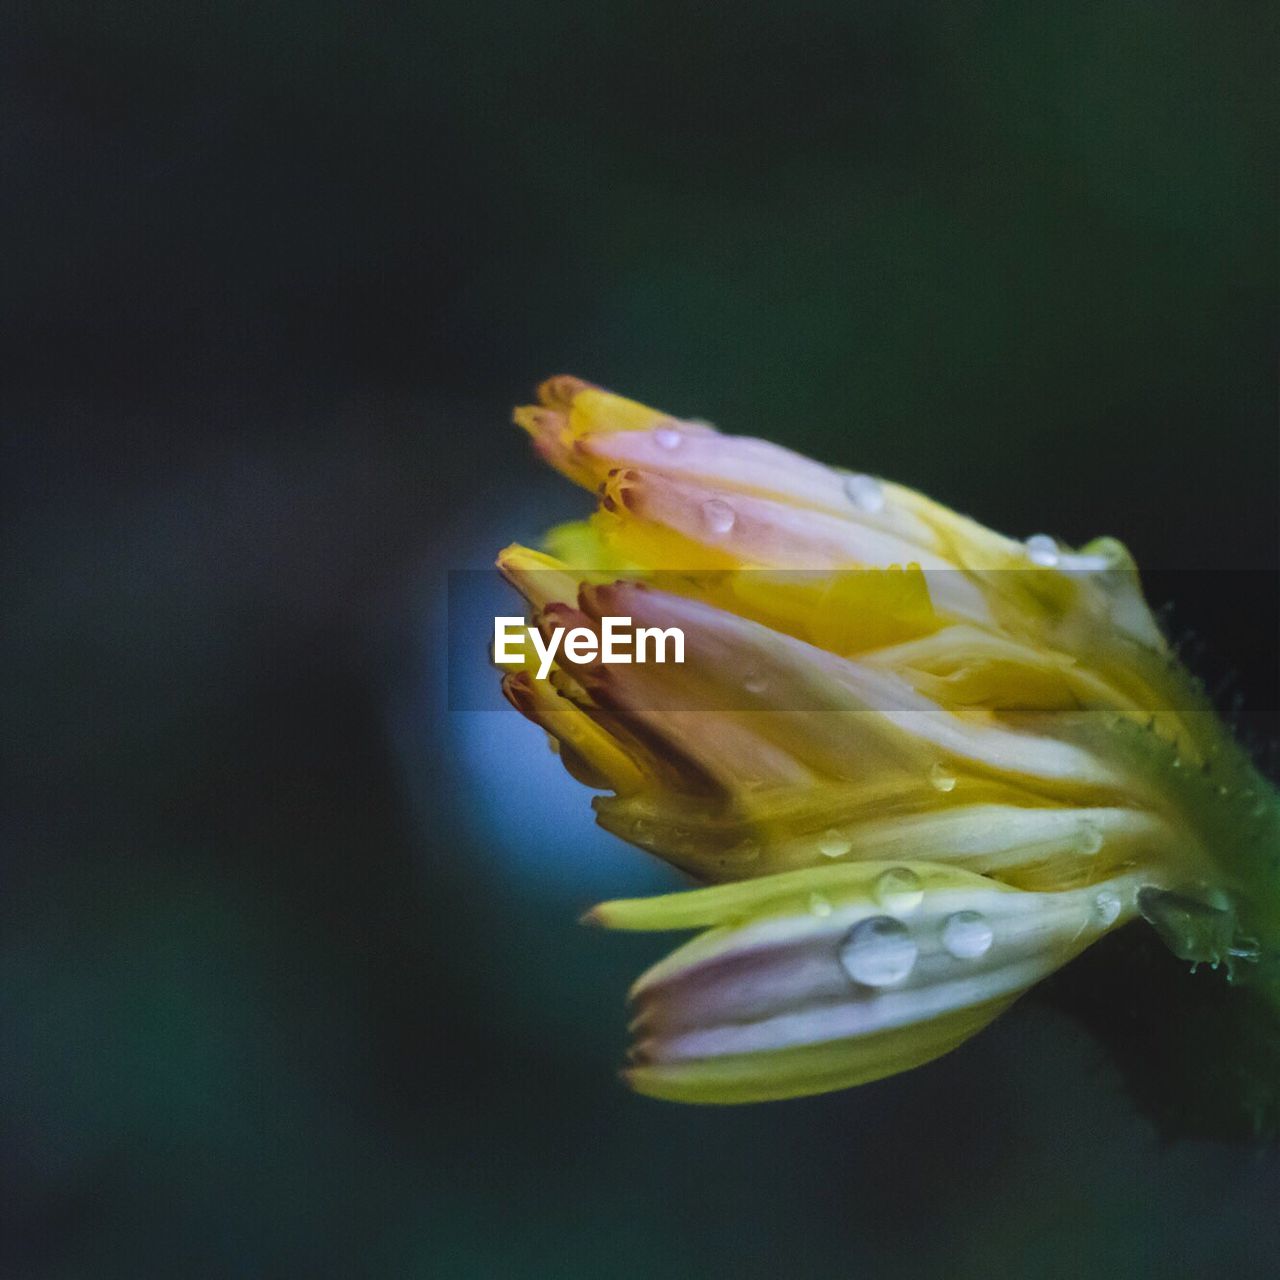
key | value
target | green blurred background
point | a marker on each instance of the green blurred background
(290, 980)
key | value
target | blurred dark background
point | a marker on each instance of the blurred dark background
(290, 980)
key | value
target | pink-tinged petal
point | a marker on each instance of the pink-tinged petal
(688, 742)
(762, 533)
(820, 1067)
(816, 961)
(741, 465)
(837, 716)
(569, 411)
(789, 737)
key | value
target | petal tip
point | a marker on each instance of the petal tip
(561, 389)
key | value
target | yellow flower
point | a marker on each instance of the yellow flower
(872, 686)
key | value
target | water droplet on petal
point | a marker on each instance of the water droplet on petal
(967, 935)
(878, 952)
(717, 515)
(1102, 555)
(754, 682)
(899, 890)
(1089, 837)
(833, 844)
(1106, 907)
(818, 905)
(668, 438)
(941, 778)
(865, 492)
(747, 851)
(1042, 550)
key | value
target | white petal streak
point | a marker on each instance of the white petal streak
(780, 981)
(850, 1018)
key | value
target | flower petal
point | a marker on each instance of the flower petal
(833, 976)
(838, 716)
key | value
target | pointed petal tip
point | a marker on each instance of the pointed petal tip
(517, 558)
(622, 914)
(594, 917)
(517, 688)
(650, 1081)
(538, 419)
(560, 390)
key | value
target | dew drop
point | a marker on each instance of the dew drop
(899, 890)
(1110, 554)
(1089, 837)
(865, 492)
(1042, 550)
(941, 778)
(833, 844)
(818, 905)
(753, 682)
(1106, 907)
(717, 515)
(667, 438)
(967, 935)
(747, 851)
(878, 952)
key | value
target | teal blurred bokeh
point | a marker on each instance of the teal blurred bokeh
(290, 979)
